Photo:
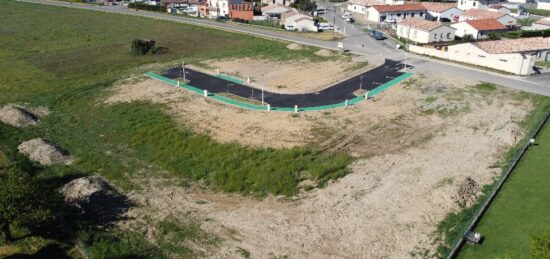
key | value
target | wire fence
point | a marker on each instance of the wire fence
(475, 220)
(251, 106)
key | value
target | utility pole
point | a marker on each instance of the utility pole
(333, 21)
(183, 70)
(262, 90)
(361, 84)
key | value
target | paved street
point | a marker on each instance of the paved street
(357, 42)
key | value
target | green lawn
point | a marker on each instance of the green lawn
(520, 210)
(65, 59)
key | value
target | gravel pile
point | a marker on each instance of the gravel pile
(17, 116)
(44, 152)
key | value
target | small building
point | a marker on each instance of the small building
(300, 22)
(478, 29)
(275, 11)
(542, 24)
(478, 14)
(499, 8)
(395, 13)
(442, 12)
(361, 6)
(516, 56)
(424, 31)
(244, 11)
(475, 4)
(543, 4)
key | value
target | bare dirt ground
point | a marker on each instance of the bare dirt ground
(288, 77)
(415, 144)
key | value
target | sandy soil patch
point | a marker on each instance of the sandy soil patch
(417, 144)
(44, 152)
(223, 123)
(325, 53)
(288, 77)
(294, 46)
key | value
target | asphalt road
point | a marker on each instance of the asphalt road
(334, 94)
(356, 42)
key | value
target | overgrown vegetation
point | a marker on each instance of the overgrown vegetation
(147, 7)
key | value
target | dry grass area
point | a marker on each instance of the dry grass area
(289, 77)
(415, 143)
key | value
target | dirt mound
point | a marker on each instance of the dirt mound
(44, 152)
(17, 116)
(467, 192)
(93, 198)
(294, 46)
(324, 53)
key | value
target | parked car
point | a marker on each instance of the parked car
(324, 26)
(346, 15)
(377, 35)
(349, 19)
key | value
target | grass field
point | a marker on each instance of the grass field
(65, 59)
(520, 210)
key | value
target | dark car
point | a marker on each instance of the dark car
(377, 35)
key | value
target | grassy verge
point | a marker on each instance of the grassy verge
(519, 211)
(453, 226)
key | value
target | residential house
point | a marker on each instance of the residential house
(516, 56)
(475, 4)
(543, 4)
(279, 2)
(478, 29)
(361, 6)
(300, 22)
(244, 11)
(519, 1)
(477, 14)
(499, 8)
(221, 7)
(395, 13)
(275, 11)
(442, 12)
(424, 31)
(542, 24)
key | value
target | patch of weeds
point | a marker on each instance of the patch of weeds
(444, 182)
(422, 140)
(326, 113)
(244, 253)
(357, 66)
(118, 245)
(295, 115)
(281, 86)
(430, 99)
(409, 83)
(485, 87)
(200, 202)
(175, 237)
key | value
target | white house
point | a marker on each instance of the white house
(543, 4)
(542, 24)
(424, 31)
(475, 4)
(477, 14)
(279, 2)
(275, 11)
(220, 8)
(300, 22)
(479, 29)
(516, 56)
(360, 6)
(519, 1)
(443, 12)
(395, 13)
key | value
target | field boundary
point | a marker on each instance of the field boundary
(475, 220)
(227, 100)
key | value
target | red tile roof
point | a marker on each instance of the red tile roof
(486, 25)
(421, 24)
(482, 14)
(438, 7)
(399, 8)
(514, 45)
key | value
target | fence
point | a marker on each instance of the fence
(251, 106)
(458, 246)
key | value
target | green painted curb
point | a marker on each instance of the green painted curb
(230, 101)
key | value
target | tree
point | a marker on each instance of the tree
(305, 5)
(22, 202)
(540, 246)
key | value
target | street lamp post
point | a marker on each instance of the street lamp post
(361, 84)
(183, 70)
(263, 90)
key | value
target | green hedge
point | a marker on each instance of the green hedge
(524, 34)
(156, 8)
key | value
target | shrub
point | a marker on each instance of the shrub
(155, 8)
(142, 47)
(540, 246)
